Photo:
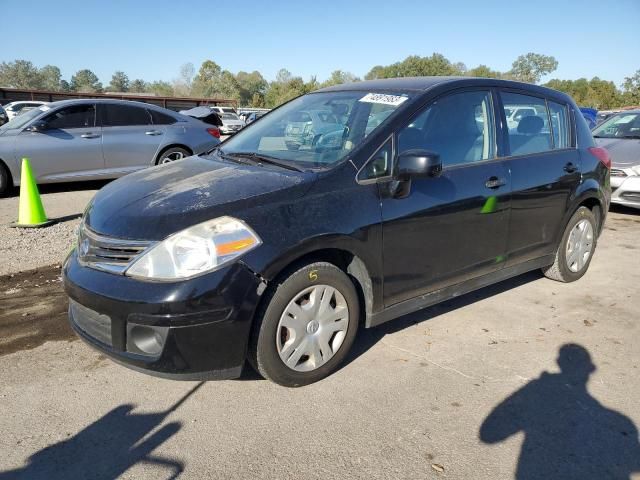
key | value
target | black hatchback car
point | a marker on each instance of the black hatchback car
(404, 193)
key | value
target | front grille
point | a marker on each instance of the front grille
(92, 323)
(616, 172)
(107, 253)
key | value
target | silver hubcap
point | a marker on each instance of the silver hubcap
(579, 245)
(312, 328)
(172, 157)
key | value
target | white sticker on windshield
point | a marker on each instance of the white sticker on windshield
(383, 98)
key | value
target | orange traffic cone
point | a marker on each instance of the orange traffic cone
(30, 210)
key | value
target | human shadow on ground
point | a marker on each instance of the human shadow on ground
(107, 448)
(568, 434)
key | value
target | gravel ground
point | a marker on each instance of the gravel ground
(26, 248)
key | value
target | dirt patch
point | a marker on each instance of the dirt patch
(33, 309)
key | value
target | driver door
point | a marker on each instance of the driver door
(444, 230)
(66, 146)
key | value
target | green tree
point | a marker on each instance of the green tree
(416, 66)
(483, 71)
(138, 86)
(596, 93)
(161, 88)
(532, 67)
(119, 82)
(206, 82)
(338, 77)
(251, 88)
(85, 81)
(51, 78)
(631, 87)
(20, 74)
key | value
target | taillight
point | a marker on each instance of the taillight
(214, 131)
(602, 155)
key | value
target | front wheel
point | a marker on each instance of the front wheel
(576, 248)
(306, 326)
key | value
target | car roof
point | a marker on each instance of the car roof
(420, 84)
(74, 101)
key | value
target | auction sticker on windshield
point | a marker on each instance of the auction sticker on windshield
(383, 98)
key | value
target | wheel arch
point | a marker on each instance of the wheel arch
(10, 180)
(172, 145)
(345, 259)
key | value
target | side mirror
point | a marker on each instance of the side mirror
(37, 126)
(418, 164)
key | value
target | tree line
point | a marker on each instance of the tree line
(252, 89)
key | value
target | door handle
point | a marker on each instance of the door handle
(570, 168)
(90, 135)
(153, 132)
(495, 182)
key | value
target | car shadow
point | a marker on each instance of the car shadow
(107, 448)
(568, 434)
(624, 210)
(368, 337)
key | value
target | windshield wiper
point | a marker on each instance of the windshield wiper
(262, 158)
(631, 136)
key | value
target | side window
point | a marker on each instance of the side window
(378, 114)
(560, 125)
(124, 115)
(529, 130)
(160, 118)
(77, 116)
(379, 165)
(459, 127)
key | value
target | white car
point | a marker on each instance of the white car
(14, 109)
(222, 110)
(231, 123)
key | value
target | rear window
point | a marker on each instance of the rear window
(160, 118)
(124, 115)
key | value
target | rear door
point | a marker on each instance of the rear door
(130, 139)
(545, 173)
(69, 146)
(454, 227)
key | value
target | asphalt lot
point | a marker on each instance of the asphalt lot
(419, 398)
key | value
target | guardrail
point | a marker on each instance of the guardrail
(173, 103)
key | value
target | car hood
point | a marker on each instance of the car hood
(625, 152)
(158, 201)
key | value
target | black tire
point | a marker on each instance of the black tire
(560, 270)
(263, 352)
(173, 151)
(5, 181)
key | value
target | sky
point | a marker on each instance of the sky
(152, 39)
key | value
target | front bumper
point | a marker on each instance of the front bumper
(196, 329)
(626, 191)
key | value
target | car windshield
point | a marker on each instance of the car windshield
(21, 120)
(316, 130)
(230, 116)
(621, 125)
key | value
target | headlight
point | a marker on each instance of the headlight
(196, 250)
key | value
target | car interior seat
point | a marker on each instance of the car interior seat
(529, 138)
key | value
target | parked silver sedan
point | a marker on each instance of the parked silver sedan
(620, 135)
(92, 139)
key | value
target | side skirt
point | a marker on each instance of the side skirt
(437, 296)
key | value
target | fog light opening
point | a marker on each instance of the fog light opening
(146, 339)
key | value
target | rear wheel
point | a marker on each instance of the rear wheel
(306, 326)
(576, 248)
(172, 154)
